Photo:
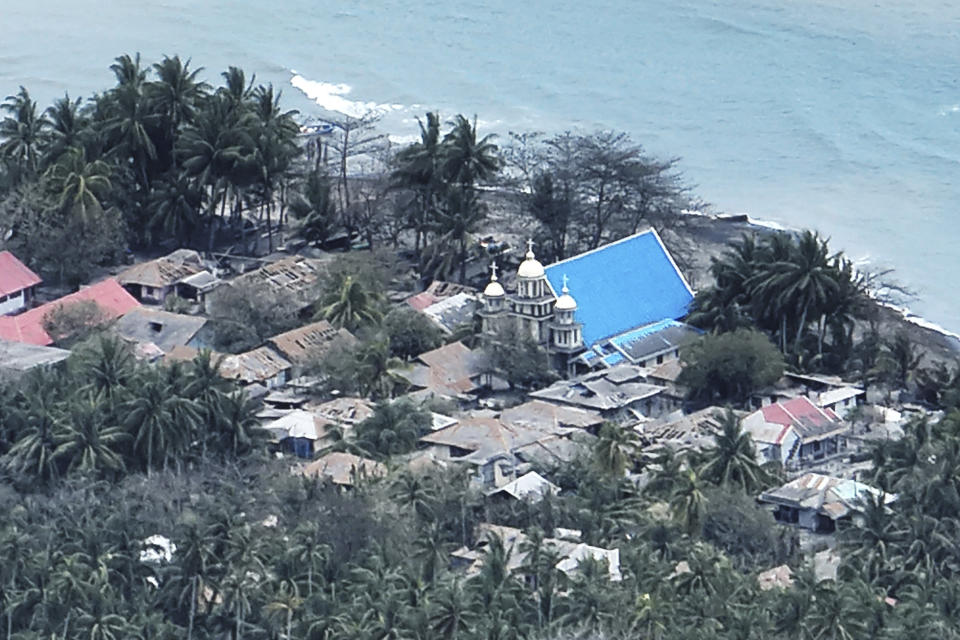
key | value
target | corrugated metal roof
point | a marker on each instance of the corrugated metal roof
(111, 298)
(622, 285)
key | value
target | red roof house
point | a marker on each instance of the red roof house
(795, 431)
(27, 327)
(17, 283)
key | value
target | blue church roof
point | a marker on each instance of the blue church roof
(623, 285)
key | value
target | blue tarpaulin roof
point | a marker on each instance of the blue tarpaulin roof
(626, 284)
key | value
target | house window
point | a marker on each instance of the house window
(156, 327)
(660, 359)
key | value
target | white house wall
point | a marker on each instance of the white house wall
(14, 303)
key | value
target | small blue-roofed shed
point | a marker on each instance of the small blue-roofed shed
(623, 285)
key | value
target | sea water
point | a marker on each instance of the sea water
(842, 115)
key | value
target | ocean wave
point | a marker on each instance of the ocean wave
(950, 109)
(333, 97)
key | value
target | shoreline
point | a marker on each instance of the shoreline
(938, 342)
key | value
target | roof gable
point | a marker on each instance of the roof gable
(14, 275)
(622, 285)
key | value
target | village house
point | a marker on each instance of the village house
(346, 411)
(827, 392)
(616, 393)
(151, 282)
(111, 301)
(163, 329)
(18, 358)
(796, 432)
(344, 469)
(294, 278)
(452, 370)
(308, 344)
(437, 291)
(18, 284)
(567, 547)
(695, 431)
(626, 291)
(530, 487)
(299, 432)
(487, 444)
(262, 366)
(817, 502)
(539, 414)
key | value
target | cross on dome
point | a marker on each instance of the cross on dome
(565, 280)
(493, 271)
(530, 244)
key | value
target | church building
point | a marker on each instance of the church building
(596, 309)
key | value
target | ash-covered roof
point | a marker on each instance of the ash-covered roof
(310, 342)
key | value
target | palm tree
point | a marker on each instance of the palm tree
(452, 611)
(33, 452)
(467, 160)
(351, 305)
(175, 207)
(734, 459)
(285, 602)
(216, 143)
(67, 128)
(80, 183)
(314, 206)
(688, 502)
(108, 366)
(417, 168)
(175, 95)
(616, 449)
(375, 374)
(131, 117)
(159, 420)
(455, 222)
(803, 283)
(21, 133)
(238, 424)
(276, 144)
(84, 443)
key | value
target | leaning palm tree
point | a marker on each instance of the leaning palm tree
(351, 305)
(455, 222)
(733, 461)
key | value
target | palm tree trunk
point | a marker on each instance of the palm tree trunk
(289, 621)
(800, 328)
(193, 607)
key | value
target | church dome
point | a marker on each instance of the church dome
(530, 268)
(565, 302)
(493, 290)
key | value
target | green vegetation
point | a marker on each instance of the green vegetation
(730, 366)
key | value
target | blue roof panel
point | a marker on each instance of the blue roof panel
(626, 284)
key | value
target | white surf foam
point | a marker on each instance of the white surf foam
(333, 97)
